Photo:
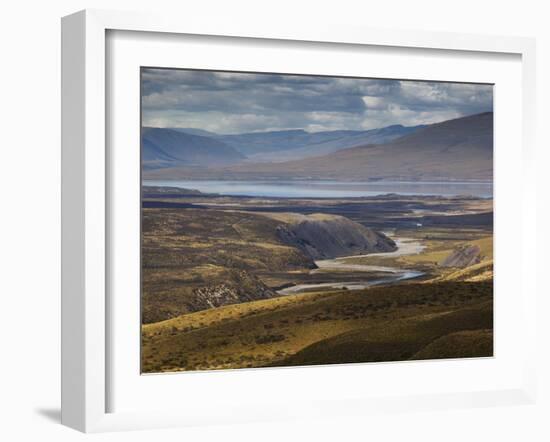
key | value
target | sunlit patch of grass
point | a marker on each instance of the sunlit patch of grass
(268, 332)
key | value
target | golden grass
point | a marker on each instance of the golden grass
(184, 250)
(266, 332)
(426, 336)
(475, 273)
(462, 344)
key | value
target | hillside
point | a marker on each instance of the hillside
(298, 143)
(410, 321)
(459, 149)
(295, 144)
(330, 236)
(169, 148)
(275, 141)
(410, 338)
(463, 257)
(333, 142)
(216, 274)
(167, 191)
(196, 259)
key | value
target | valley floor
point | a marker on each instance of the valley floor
(220, 291)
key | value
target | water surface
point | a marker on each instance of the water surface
(330, 189)
(405, 246)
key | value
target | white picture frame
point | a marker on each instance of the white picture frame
(86, 207)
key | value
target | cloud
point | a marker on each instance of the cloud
(227, 102)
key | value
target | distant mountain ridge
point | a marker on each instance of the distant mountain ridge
(456, 149)
(345, 141)
(298, 143)
(169, 148)
(180, 147)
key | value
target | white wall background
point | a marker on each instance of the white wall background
(30, 219)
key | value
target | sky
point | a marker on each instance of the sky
(230, 103)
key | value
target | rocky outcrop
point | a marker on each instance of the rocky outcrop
(239, 287)
(475, 273)
(322, 236)
(464, 256)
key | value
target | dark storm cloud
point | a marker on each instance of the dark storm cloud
(233, 103)
(225, 92)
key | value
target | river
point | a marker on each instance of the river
(405, 246)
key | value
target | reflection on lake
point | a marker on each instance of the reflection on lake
(330, 189)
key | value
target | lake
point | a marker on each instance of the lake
(330, 189)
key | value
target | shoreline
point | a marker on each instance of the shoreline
(406, 246)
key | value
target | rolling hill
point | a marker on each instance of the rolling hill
(296, 144)
(270, 146)
(410, 321)
(411, 338)
(169, 148)
(344, 140)
(195, 259)
(322, 236)
(452, 150)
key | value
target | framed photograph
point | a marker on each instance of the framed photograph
(264, 223)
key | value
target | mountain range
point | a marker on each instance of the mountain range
(173, 147)
(322, 143)
(162, 148)
(456, 149)
(295, 144)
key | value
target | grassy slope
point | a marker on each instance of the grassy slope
(477, 272)
(437, 248)
(271, 332)
(403, 339)
(187, 249)
(462, 344)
